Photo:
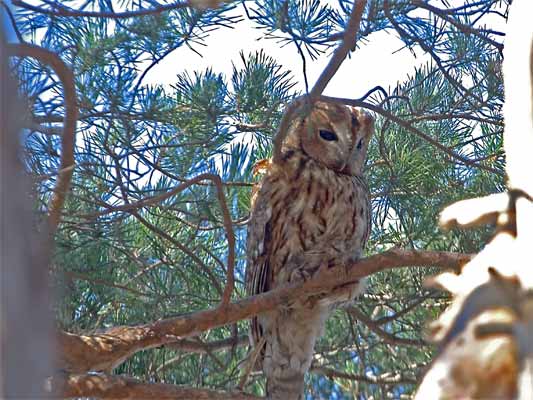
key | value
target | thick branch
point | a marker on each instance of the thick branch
(121, 387)
(106, 351)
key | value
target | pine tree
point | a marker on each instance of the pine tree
(137, 244)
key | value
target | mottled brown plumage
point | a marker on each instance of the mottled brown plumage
(311, 210)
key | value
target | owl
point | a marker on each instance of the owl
(310, 211)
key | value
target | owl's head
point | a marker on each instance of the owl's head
(334, 135)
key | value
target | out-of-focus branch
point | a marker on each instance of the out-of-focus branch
(103, 352)
(485, 336)
(65, 75)
(121, 387)
(25, 317)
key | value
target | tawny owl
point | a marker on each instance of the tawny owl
(311, 210)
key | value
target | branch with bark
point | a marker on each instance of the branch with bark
(104, 352)
(103, 386)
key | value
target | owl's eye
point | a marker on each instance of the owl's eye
(328, 135)
(360, 144)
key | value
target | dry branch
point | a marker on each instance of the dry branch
(103, 352)
(65, 75)
(126, 388)
(57, 9)
(303, 103)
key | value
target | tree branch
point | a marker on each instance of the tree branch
(103, 352)
(348, 43)
(126, 388)
(66, 77)
(59, 10)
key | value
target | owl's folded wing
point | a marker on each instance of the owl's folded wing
(258, 273)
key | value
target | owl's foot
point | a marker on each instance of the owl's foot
(349, 292)
(299, 275)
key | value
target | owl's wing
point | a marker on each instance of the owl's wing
(258, 272)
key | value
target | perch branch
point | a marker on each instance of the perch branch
(103, 352)
(121, 387)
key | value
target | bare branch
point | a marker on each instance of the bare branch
(66, 77)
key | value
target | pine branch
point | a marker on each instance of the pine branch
(122, 387)
(103, 352)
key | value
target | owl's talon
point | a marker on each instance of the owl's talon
(299, 275)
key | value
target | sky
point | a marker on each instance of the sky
(381, 61)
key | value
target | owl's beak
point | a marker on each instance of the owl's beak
(341, 165)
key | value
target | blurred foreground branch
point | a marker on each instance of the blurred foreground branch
(486, 336)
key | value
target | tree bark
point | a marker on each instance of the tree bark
(104, 352)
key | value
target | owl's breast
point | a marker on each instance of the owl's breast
(319, 217)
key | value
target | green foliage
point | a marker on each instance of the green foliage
(136, 141)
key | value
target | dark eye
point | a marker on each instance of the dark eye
(360, 144)
(328, 135)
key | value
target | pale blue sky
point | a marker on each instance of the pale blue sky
(379, 62)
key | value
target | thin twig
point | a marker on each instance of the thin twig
(412, 129)
(59, 10)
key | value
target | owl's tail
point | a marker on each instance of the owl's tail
(290, 339)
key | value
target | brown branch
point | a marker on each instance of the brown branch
(348, 43)
(387, 337)
(230, 237)
(121, 387)
(198, 180)
(412, 129)
(199, 347)
(106, 351)
(466, 29)
(380, 380)
(66, 77)
(59, 10)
